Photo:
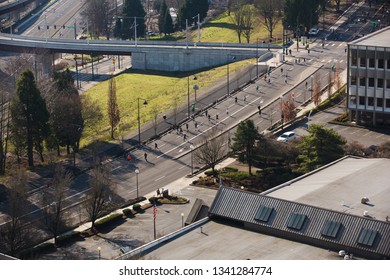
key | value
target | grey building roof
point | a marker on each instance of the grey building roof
(317, 226)
(380, 38)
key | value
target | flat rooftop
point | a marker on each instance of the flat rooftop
(339, 186)
(380, 38)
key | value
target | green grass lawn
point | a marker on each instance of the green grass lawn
(159, 88)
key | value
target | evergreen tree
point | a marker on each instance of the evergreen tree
(168, 23)
(190, 10)
(244, 142)
(29, 115)
(301, 13)
(133, 12)
(321, 147)
(161, 16)
(66, 120)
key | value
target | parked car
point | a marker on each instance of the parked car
(287, 136)
(314, 31)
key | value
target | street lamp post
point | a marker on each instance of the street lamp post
(136, 176)
(188, 93)
(195, 87)
(99, 249)
(192, 159)
(182, 219)
(139, 120)
(198, 16)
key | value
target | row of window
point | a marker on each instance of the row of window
(372, 62)
(364, 81)
(330, 228)
(370, 101)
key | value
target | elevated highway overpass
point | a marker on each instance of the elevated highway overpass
(146, 55)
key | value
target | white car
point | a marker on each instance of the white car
(314, 31)
(287, 136)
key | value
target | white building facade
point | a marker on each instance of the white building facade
(369, 79)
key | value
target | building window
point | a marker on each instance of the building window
(387, 103)
(363, 62)
(379, 102)
(353, 81)
(362, 82)
(387, 83)
(370, 101)
(380, 63)
(388, 64)
(371, 82)
(353, 54)
(379, 83)
(371, 62)
(362, 100)
(353, 100)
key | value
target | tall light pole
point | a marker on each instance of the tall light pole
(139, 119)
(188, 93)
(136, 176)
(192, 159)
(187, 33)
(198, 16)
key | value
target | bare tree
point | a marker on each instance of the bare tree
(317, 90)
(211, 148)
(54, 199)
(269, 15)
(99, 14)
(237, 18)
(287, 108)
(4, 130)
(337, 78)
(247, 22)
(15, 234)
(154, 111)
(112, 108)
(330, 84)
(98, 199)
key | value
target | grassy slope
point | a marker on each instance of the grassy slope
(160, 89)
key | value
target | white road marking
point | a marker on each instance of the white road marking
(160, 178)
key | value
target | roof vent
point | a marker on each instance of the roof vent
(364, 200)
(365, 213)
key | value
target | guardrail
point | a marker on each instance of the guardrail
(162, 240)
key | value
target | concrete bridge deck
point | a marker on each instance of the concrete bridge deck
(146, 55)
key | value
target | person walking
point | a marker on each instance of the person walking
(146, 156)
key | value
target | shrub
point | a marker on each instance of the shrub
(211, 173)
(67, 237)
(230, 169)
(152, 200)
(238, 176)
(127, 212)
(137, 207)
(108, 219)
